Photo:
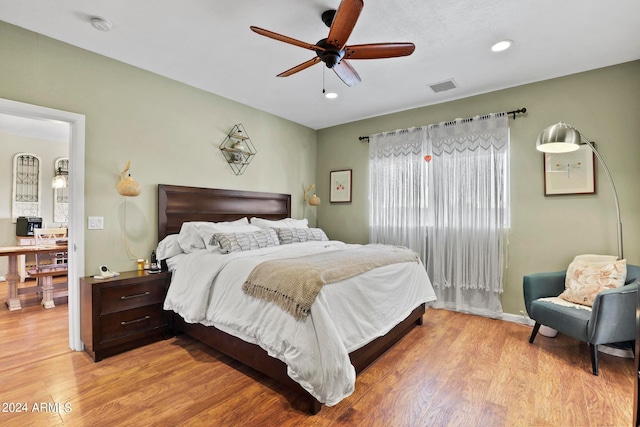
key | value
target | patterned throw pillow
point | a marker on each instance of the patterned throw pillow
(297, 235)
(589, 275)
(194, 234)
(235, 242)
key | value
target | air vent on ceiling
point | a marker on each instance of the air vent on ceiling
(443, 86)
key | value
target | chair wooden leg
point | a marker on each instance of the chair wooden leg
(593, 350)
(536, 327)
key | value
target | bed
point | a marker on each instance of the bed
(180, 204)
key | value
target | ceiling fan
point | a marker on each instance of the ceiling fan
(333, 50)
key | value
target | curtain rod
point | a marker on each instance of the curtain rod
(514, 112)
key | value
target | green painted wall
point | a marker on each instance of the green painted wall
(546, 232)
(169, 131)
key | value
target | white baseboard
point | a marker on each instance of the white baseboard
(521, 318)
(3, 279)
(626, 353)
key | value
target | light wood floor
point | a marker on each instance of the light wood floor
(454, 370)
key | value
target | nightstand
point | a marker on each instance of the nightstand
(122, 313)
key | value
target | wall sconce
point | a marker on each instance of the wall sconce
(61, 178)
(313, 200)
(127, 186)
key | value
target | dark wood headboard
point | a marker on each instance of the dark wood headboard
(178, 204)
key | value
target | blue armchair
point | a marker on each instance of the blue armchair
(612, 318)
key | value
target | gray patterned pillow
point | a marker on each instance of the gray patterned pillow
(297, 235)
(235, 242)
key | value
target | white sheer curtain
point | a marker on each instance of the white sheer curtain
(398, 189)
(468, 212)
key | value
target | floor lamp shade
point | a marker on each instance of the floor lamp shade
(559, 138)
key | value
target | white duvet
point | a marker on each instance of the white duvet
(207, 288)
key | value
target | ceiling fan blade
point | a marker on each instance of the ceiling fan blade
(300, 67)
(344, 21)
(285, 39)
(379, 50)
(347, 73)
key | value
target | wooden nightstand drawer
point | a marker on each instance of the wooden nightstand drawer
(122, 313)
(121, 324)
(120, 298)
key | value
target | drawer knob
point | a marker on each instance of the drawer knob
(142, 319)
(125, 297)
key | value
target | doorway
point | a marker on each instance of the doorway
(76, 200)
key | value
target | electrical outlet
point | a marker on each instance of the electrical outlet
(95, 223)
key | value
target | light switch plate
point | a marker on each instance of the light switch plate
(95, 223)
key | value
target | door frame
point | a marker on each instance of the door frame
(76, 200)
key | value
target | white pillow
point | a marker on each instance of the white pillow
(589, 275)
(591, 258)
(282, 223)
(190, 237)
(169, 247)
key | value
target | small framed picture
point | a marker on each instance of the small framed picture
(340, 186)
(570, 173)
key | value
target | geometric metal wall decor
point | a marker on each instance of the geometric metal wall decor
(238, 150)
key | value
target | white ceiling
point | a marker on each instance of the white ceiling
(52, 130)
(208, 44)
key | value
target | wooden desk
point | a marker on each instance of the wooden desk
(12, 276)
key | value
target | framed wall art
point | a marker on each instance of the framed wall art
(340, 186)
(570, 173)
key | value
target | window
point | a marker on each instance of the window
(26, 186)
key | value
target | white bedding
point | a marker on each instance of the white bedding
(207, 288)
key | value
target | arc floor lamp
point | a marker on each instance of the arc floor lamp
(564, 138)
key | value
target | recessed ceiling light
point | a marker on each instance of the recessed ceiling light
(331, 95)
(101, 24)
(502, 45)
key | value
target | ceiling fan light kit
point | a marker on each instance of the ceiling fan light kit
(327, 17)
(333, 50)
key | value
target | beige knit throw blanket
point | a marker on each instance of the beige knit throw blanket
(294, 283)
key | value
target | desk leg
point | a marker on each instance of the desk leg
(47, 291)
(13, 302)
(22, 267)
